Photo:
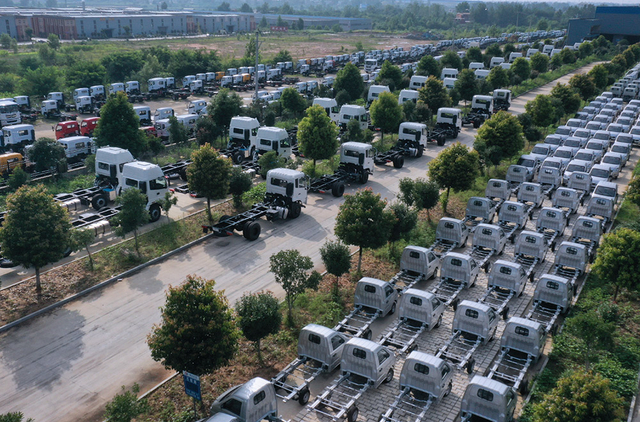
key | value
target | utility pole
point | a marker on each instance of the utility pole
(256, 69)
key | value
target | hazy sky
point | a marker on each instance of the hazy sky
(597, 3)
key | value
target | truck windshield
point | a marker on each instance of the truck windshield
(8, 108)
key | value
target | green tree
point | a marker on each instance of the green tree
(224, 7)
(132, 215)
(353, 133)
(207, 131)
(293, 101)
(14, 417)
(498, 77)
(35, 231)
(541, 111)
(451, 59)
(521, 68)
(155, 146)
(580, 397)
(349, 80)
(474, 54)
(282, 56)
(17, 178)
(502, 132)
(269, 161)
(467, 85)
(119, 126)
(585, 49)
(454, 168)
(208, 174)
(618, 259)
(600, 76)
(198, 333)
(633, 191)
(363, 221)
(5, 41)
(239, 183)
(493, 50)
(290, 269)
(177, 132)
(428, 66)
(226, 105)
(263, 22)
(258, 316)
(82, 239)
(567, 56)
(126, 406)
(41, 81)
(300, 24)
(54, 41)
(336, 258)
(594, 332)
(584, 85)
(386, 113)
(85, 73)
(539, 63)
(568, 97)
(46, 153)
(167, 202)
(420, 193)
(391, 73)
(405, 220)
(434, 94)
(246, 8)
(507, 50)
(317, 135)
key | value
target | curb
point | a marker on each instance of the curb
(105, 283)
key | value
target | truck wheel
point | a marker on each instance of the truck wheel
(470, 365)
(238, 158)
(352, 415)
(439, 323)
(389, 376)
(98, 202)
(364, 177)
(393, 309)
(367, 334)
(476, 124)
(441, 140)
(420, 151)
(524, 388)
(295, 210)
(398, 162)
(303, 396)
(252, 231)
(337, 189)
(154, 213)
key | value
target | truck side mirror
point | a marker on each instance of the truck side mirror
(290, 189)
(361, 158)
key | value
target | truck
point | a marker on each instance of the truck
(252, 401)
(243, 132)
(488, 400)
(88, 126)
(85, 104)
(412, 140)
(448, 125)
(353, 112)
(76, 148)
(285, 197)
(356, 165)
(15, 137)
(481, 110)
(68, 128)
(501, 99)
(330, 105)
(49, 109)
(9, 113)
(144, 114)
(271, 138)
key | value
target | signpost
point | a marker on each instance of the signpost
(192, 388)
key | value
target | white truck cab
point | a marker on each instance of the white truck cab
(80, 92)
(501, 99)
(144, 114)
(163, 113)
(243, 132)
(417, 82)
(16, 137)
(252, 401)
(132, 87)
(76, 147)
(408, 95)
(292, 184)
(116, 87)
(330, 105)
(353, 112)
(375, 91)
(156, 84)
(271, 138)
(359, 155)
(450, 116)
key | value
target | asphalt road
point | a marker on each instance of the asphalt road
(66, 365)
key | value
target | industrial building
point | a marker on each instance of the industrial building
(613, 22)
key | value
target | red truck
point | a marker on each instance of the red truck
(65, 129)
(88, 125)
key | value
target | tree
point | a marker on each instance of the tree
(428, 66)
(386, 113)
(353, 133)
(405, 220)
(246, 8)
(293, 101)
(85, 73)
(290, 270)
(600, 76)
(155, 145)
(167, 202)
(177, 131)
(451, 59)
(507, 49)
(282, 56)
(41, 81)
(35, 231)
(198, 333)
(593, 331)
(580, 397)
(633, 191)
(14, 417)
(5, 41)
(502, 133)
(454, 168)
(493, 51)
(541, 110)
(474, 54)
(498, 77)
(269, 161)
(584, 85)
(467, 85)
(82, 239)
(258, 316)
(133, 214)
(317, 135)
(46, 153)
(618, 259)
(207, 131)
(164, 5)
(224, 7)
(434, 94)
(539, 63)
(569, 98)
(119, 126)
(336, 258)
(263, 22)
(224, 107)
(567, 56)
(392, 74)
(300, 24)
(363, 221)
(420, 193)
(521, 68)
(239, 183)
(54, 41)
(208, 174)
(121, 64)
(17, 178)
(349, 79)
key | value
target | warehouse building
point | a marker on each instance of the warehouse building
(613, 22)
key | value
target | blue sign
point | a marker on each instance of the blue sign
(192, 385)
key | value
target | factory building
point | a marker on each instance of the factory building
(613, 22)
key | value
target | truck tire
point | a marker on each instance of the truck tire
(252, 231)
(303, 396)
(524, 388)
(455, 133)
(154, 213)
(389, 376)
(398, 162)
(98, 202)
(352, 414)
(476, 124)
(238, 157)
(337, 189)
(364, 177)
(420, 151)
(470, 365)
(441, 140)
(294, 211)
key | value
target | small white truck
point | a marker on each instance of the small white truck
(356, 165)
(353, 112)
(271, 138)
(16, 137)
(76, 148)
(501, 99)
(330, 105)
(252, 401)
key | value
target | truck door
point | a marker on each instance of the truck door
(274, 145)
(113, 172)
